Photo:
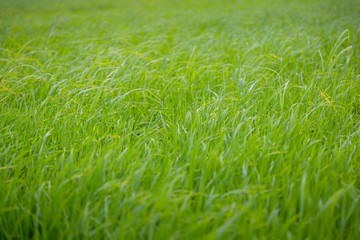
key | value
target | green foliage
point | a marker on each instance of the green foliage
(180, 119)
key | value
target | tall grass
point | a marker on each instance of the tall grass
(180, 119)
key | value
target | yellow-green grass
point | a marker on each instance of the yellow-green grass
(180, 119)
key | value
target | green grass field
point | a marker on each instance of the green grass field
(231, 119)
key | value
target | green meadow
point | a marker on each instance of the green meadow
(162, 119)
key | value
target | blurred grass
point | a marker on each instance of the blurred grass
(179, 119)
